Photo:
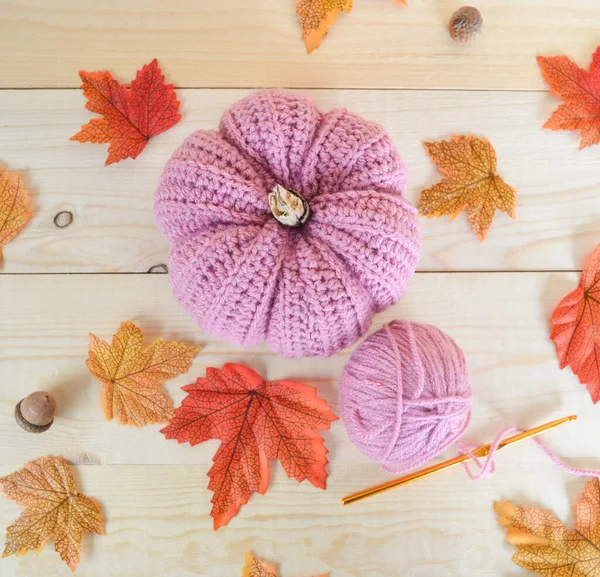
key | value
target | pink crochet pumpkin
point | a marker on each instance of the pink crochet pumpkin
(303, 265)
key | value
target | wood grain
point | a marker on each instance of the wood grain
(157, 523)
(558, 208)
(234, 43)
(501, 321)
(154, 491)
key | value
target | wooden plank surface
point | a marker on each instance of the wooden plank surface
(154, 491)
(558, 206)
(157, 520)
(235, 43)
(501, 321)
(396, 66)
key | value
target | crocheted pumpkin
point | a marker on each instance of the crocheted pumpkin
(287, 225)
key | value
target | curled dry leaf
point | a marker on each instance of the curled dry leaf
(131, 116)
(576, 327)
(316, 17)
(256, 421)
(53, 508)
(255, 567)
(132, 379)
(545, 545)
(14, 199)
(580, 90)
(470, 181)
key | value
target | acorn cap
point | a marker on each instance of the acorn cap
(35, 413)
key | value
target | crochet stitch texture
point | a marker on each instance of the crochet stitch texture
(247, 278)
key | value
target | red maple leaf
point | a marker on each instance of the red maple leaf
(257, 421)
(580, 89)
(131, 115)
(576, 327)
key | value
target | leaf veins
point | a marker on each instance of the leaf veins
(256, 421)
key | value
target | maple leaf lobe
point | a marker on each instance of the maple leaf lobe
(131, 116)
(14, 199)
(545, 545)
(576, 327)
(316, 16)
(256, 421)
(470, 181)
(132, 378)
(580, 90)
(53, 507)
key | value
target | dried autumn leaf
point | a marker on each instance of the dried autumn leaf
(470, 181)
(316, 16)
(546, 546)
(53, 508)
(132, 379)
(580, 90)
(255, 567)
(576, 327)
(257, 421)
(131, 115)
(13, 206)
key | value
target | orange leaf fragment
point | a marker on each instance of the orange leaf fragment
(576, 327)
(470, 181)
(255, 567)
(256, 421)
(131, 115)
(401, 2)
(546, 546)
(316, 16)
(14, 199)
(580, 90)
(53, 508)
(132, 379)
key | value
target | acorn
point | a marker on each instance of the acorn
(35, 413)
(465, 24)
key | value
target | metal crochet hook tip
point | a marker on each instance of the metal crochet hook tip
(482, 451)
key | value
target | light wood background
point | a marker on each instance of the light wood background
(396, 66)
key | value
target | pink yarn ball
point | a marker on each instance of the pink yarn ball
(244, 276)
(405, 395)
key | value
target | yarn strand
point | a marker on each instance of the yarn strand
(487, 467)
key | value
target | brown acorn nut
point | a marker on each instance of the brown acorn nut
(465, 24)
(35, 413)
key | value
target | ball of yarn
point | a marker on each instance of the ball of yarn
(405, 395)
(305, 270)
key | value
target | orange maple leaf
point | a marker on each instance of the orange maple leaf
(580, 89)
(576, 327)
(316, 16)
(257, 421)
(13, 206)
(255, 567)
(546, 546)
(53, 507)
(132, 379)
(131, 115)
(470, 181)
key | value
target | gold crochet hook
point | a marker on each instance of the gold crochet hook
(482, 451)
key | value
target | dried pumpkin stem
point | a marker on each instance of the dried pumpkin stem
(288, 207)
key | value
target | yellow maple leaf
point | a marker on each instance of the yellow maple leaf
(14, 199)
(132, 379)
(470, 181)
(255, 567)
(546, 546)
(316, 16)
(53, 508)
